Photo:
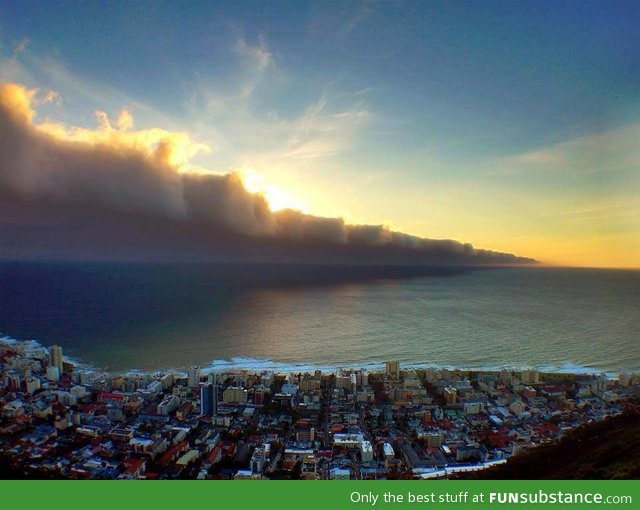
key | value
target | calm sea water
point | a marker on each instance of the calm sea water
(125, 316)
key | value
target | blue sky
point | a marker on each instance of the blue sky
(512, 125)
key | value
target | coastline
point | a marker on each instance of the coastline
(61, 420)
(239, 363)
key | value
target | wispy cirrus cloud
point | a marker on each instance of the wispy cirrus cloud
(339, 21)
(615, 150)
(589, 181)
(619, 213)
(241, 113)
(19, 48)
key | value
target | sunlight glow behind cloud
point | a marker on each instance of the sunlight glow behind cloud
(277, 198)
(117, 180)
(347, 114)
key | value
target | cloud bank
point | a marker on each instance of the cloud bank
(118, 193)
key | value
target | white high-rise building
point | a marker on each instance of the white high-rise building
(194, 377)
(52, 373)
(393, 369)
(55, 358)
(32, 384)
(530, 376)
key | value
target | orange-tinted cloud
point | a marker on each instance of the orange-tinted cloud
(132, 184)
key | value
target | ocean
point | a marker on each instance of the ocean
(124, 316)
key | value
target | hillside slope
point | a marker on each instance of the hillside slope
(609, 449)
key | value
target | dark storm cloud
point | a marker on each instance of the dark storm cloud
(116, 194)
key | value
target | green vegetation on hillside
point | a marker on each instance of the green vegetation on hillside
(608, 449)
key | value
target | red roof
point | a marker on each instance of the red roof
(110, 396)
(213, 456)
(172, 452)
(229, 449)
(133, 464)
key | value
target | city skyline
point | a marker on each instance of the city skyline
(510, 127)
(389, 422)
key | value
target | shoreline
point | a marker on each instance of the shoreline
(62, 420)
(256, 365)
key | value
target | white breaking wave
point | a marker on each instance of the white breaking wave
(255, 365)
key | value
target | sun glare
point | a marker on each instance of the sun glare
(277, 198)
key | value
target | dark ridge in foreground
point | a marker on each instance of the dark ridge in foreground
(603, 450)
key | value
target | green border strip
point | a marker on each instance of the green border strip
(264, 495)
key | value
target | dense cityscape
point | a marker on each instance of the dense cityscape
(61, 420)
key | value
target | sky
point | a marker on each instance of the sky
(513, 126)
